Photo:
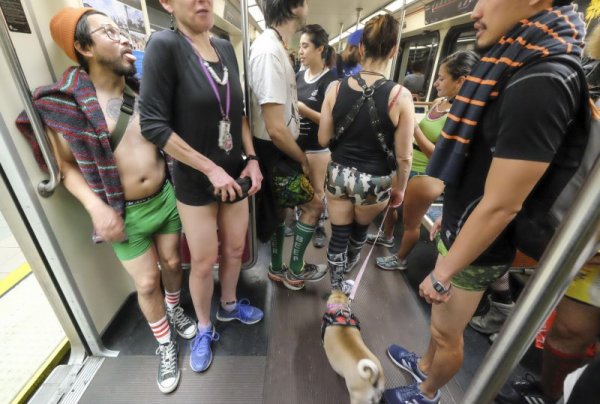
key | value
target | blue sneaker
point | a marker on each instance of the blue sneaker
(410, 394)
(242, 312)
(406, 360)
(201, 354)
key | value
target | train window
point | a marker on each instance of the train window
(417, 58)
(458, 39)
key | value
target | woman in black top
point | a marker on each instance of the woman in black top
(311, 84)
(358, 182)
(192, 107)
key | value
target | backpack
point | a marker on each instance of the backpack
(535, 224)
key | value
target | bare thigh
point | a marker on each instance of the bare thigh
(200, 226)
(421, 191)
(448, 320)
(233, 226)
(576, 325)
(341, 211)
(318, 171)
(364, 214)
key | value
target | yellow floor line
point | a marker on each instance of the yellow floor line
(38, 377)
(13, 278)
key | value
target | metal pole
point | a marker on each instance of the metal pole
(340, 40)
(45, 188)
(575, 241)
(395, 60)
(248, 96)
(358, 13)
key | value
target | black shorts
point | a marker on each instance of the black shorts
(191, 186)
(310, 143)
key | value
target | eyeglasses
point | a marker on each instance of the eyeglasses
(113, 33)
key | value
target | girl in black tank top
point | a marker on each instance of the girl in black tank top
(359, 182)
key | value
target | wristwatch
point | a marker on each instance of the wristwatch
(438, 286)
(251, 157)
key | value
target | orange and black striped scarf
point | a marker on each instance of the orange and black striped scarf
(556, 31)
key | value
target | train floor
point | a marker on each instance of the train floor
(281, 359)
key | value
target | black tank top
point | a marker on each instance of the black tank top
(358, 146)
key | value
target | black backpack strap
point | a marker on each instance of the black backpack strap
(375, 121)
(127, 108)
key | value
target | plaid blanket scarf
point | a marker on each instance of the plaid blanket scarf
(556, 31)
(70, 107)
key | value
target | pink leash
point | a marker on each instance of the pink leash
(366, 261)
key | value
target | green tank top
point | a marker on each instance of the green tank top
(431, 128)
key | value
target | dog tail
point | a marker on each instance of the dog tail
(368, 370)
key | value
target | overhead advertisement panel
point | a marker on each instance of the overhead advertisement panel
(443, 9)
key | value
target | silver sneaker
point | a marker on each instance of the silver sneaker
(309, 273)
(347, 287)
(492, 321)
(319, 237)
(391, 263)
(168, 371)
(381, 240)
(182, 323)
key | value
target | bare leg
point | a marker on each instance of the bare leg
(420, 194)
(448, 322)
(167, 247)
(146, 277)
(233, 225)
(200, 225)
(318, 170)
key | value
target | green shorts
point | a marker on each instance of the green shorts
(154, 215)
(474, 278)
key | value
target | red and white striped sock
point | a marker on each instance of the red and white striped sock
(161, 330)
(172, 298)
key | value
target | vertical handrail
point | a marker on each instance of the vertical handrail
(45, 188)
(248, 95)
(575, 241)
(395, 60)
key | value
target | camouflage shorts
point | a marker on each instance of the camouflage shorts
(360, 188)
(474, 278)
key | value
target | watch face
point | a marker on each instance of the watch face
(439, 287)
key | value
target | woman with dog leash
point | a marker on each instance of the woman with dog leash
(192, 107)
(367, 121)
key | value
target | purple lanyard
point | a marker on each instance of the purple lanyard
(213, 85)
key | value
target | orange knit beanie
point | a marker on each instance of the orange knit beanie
(62, 28)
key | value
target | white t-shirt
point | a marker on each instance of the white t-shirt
(273, 81)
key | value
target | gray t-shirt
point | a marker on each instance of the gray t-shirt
(273, 81)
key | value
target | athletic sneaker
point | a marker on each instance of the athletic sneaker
(391, 263)
(492, 321)
(168, 371)
(309, 273)
(280, 276)
(406, 360)
(242, 312)
(526, 390)
(182, 323)
(201, 353)
(410, 394)
(382, 240)
(319, 237)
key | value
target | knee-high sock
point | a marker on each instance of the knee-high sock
(556, 366)
(302, 235)
(277, 247)
(358, 237)
(336, 253)
(501, 290)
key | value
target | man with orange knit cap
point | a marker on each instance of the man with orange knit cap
(118, 176)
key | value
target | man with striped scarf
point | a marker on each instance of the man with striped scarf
(509, 126)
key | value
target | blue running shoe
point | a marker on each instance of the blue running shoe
(410, 394)
(242, 312)
(406, 360)
(201, 353)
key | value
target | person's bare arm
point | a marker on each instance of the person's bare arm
(405, 109)
(508, 184)
(280, 134)
(326, 127)
(108, 224)
(308, 113)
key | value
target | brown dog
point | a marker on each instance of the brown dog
(348, 354)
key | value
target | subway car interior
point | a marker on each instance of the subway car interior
(95, 343)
